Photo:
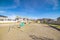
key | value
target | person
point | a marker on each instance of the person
(21, 24)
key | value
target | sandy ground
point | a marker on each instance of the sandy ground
(28, 32)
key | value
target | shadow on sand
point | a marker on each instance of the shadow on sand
(39, 38)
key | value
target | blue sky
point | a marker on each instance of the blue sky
(30, 8)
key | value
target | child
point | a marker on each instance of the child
(21, 24)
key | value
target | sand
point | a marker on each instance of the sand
(28, 32)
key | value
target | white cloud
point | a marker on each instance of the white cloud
(54, 3)
(12, 16)
(2, 12)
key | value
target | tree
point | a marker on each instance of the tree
(58, 19)
(17, 17)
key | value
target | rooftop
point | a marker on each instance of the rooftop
(3, 16)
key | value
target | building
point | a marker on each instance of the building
(19, 19)
(4, 19)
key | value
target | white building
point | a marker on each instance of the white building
(4, 19)
(19, 19)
